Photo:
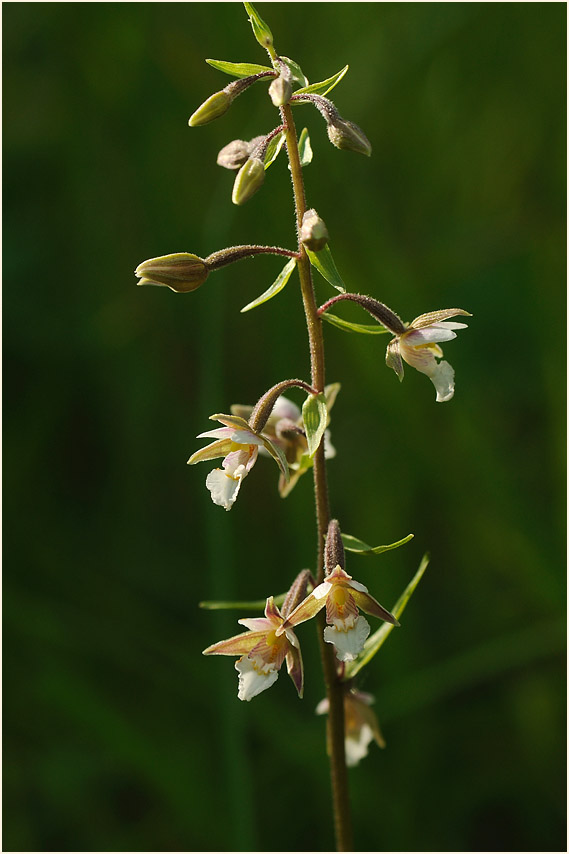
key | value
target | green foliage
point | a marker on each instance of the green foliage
(349, 326)
(314, 416)
(238, 69)
(304, 148)
(298, 75)
(324, 263)
(260, 29)
(275, 288)
(324, 86)
(353, 544)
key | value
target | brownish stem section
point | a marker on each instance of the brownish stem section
(338, 772)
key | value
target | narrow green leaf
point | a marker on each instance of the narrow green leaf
(376, 641)
(352, 544)
(275, 288)
(324, 86)
(273, 149)
(238, 69)
(298, 75)
(304, 148)
(314, 416)
(261, 30)
(348, 326)
(324, 263)
(256, 605)
(278, 455)
(331, 393)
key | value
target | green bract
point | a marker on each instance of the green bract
(296, 71)
(275, 288)
(324, 263)
(314, 415)
(261, 30)
(238, 69)
(324, 86)
(362, 328)
(352, 544)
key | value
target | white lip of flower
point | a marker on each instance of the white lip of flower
(419, 347)
(239, 445)
(361, 724)
(263, 648)
(342, 596)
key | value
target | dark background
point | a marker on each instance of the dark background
(119, 735)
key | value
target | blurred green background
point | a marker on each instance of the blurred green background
(119, 734)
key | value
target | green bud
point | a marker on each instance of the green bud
(313, 232)
(215, 106)
(348, 136)
(248, 181)
(182, 272)
(280, 91)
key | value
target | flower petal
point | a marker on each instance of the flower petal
(252, 679)
(356, 744)
(348, 643)
(443, 380)
(211, 451)
(285, 408)
(295, 669)
(218, 433)
(393, 358)
(224, 488)
(256, 624)
(436, 317)
(237, 645)
(430, 335)
(246, 437)
(371, 606)
(306, 610)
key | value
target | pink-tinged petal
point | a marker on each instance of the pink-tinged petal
(393, 358)
(256, 624)
(270, 651)
(443, 381)
(420, 358)
(429, 335)
(252, 679)
(239, 463)
(322, 590)
(450, 325)
(211, 452)
(348, 643)
(437, 316)
(246, 437)
(218, 433)
(272, 613)
(371, 606)
(290, 636)
(338, 575)
(357, 585)
(295, 669)
(285, 408)
(341, 608)
(305, 611)
(237, 645)
(224, 489)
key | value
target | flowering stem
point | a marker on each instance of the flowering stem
(236, 253)
(338, 772)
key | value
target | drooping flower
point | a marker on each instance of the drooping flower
(285, 429)
(361, 725)
(419, 347)
(239, 444)
(263, 648)
(347, 630)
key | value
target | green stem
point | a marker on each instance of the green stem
(338, 772)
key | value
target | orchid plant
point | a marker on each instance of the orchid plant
(298, 440)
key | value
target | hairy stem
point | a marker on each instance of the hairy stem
(338, 772)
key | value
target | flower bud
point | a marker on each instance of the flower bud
(215, 106)
(334, 549)
(280, 91)
(248, 181)
(348, 136)
(182, 272)
(234, 154)
(313, 232)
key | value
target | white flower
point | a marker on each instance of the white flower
(419, 347)
(361, 724)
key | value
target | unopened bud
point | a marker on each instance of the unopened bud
(234, 154)
(297, 592)
(280, 91)
(182, 272)
(334, 549)
(215, 106)
(348, 136)
(248, 180)
(313, 232)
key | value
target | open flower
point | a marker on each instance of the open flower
(361, 724)
(285, 429)
(263, 649)
(419, 347)
(342, 596)
(239, 445)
